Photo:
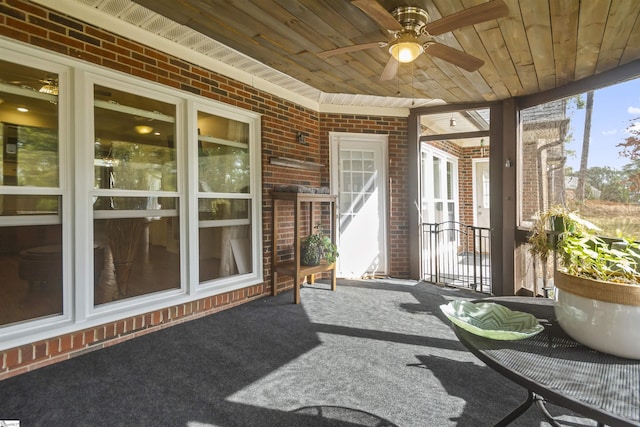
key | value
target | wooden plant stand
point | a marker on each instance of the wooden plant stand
(292, 267)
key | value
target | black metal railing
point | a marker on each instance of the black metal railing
(456, 254)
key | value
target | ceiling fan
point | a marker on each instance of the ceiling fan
(413, 34)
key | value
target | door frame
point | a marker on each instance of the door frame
(376, 140)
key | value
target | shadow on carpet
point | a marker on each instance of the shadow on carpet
(373, 353)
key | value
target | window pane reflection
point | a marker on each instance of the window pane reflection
(223, 154)
(35, 161)
(31, 255)
(134, 149)
(223, 167)
(140, 256)
(450, 180)
(134, 142)
(31, 269)
(28, 126)
(11, 205)
(224, 251)
(218, 209)
(436, 177)
(134, 203)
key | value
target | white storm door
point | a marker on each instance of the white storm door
(481, 193)
(358, 171)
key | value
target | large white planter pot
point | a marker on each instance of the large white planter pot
(604, 316)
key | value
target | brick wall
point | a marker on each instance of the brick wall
(281, 119)
(529, 181)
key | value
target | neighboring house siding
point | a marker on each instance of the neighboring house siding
(544, 128)
(281, 119)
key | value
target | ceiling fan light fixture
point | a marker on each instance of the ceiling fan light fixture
(50, 87)
(143, 129)
(405, 50)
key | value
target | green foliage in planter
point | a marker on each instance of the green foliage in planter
(586, 255)
(558, 220)
(581, 251)
(317, 246)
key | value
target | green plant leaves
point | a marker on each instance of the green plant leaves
(587, 255)
(582, 252)
(317, 246)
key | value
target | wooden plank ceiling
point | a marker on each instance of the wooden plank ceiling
(540, 45)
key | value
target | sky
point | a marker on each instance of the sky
(615, 109)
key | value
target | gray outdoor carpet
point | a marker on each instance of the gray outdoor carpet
(373, 353)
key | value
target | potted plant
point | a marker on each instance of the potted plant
(597, 284)
(317, 246)
(545, 231)
(549, 225)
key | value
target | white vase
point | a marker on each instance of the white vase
(601, 315)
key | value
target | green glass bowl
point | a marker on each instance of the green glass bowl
(492, 320)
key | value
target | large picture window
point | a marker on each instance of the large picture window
(31, 226)
(136, 222)
(132, 197)
(224, 200)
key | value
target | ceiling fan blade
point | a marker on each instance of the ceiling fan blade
(390, 70)
(454, 56)
(352, 48)
(378, 13)
(474, 15)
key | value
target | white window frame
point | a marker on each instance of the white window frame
(85, 191)
(65, 217)
(236, 281)
(76, 79)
